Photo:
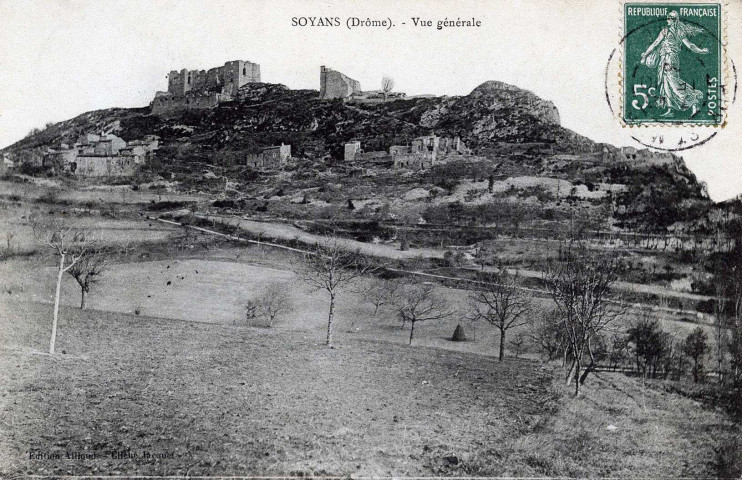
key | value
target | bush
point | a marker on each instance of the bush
(50, 196)
(166, 205)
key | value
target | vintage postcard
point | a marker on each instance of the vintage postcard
(370, 239)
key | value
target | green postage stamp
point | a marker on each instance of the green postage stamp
(672, 64)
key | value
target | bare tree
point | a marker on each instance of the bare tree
(580, 286)
(330, 267)
(93, 260)
(483, 255)
(723, 284)
(501, 302)
(518, 344)
(70, 245)
(379, 293)
(387, 85)
(420, 303)
(274, 302)
(549, 336)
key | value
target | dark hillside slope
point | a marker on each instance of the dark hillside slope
(518, 133)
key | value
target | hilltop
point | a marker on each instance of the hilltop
(262, 113)
(515, 138)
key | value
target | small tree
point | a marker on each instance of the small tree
(274, 302)
(387, 85)
(481, 256)
(420, 303)
(380, 293)
(502, 303)
(651, 345)
(518, 344)
(696, 346)
(722, 284)
(580, 286)
(251, 311)
(93, 260)
(70, 245)
(330, 267)
(618, 350)
(549, 336)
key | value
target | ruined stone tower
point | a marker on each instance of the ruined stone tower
(334, 84)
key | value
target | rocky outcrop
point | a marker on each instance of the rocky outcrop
(498, 95)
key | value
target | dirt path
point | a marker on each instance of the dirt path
(284, 231)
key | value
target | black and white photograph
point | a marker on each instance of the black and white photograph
(370, 239)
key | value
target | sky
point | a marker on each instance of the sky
(60, 58)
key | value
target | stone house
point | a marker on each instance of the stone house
(270, 157)
(103, 165)
(276, 155)
(6, 164)
(108, 145)
(351, 150)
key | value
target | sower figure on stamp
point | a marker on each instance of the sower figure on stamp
(675, 94)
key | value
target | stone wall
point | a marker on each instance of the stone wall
(103, 166)
(372, 157)
(414, 161)
(638, 157)
(166, 103)
(226, 79)
(334, 84)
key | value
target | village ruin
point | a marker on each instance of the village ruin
(421, 154)
(105, 154)
(101, 155)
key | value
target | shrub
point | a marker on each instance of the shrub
(165, 205)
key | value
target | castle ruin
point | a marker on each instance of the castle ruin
(199, 89)
(334, 84)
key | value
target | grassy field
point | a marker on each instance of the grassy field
(213, 286)
(101, 196)
(208, 399)
(15, 219)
